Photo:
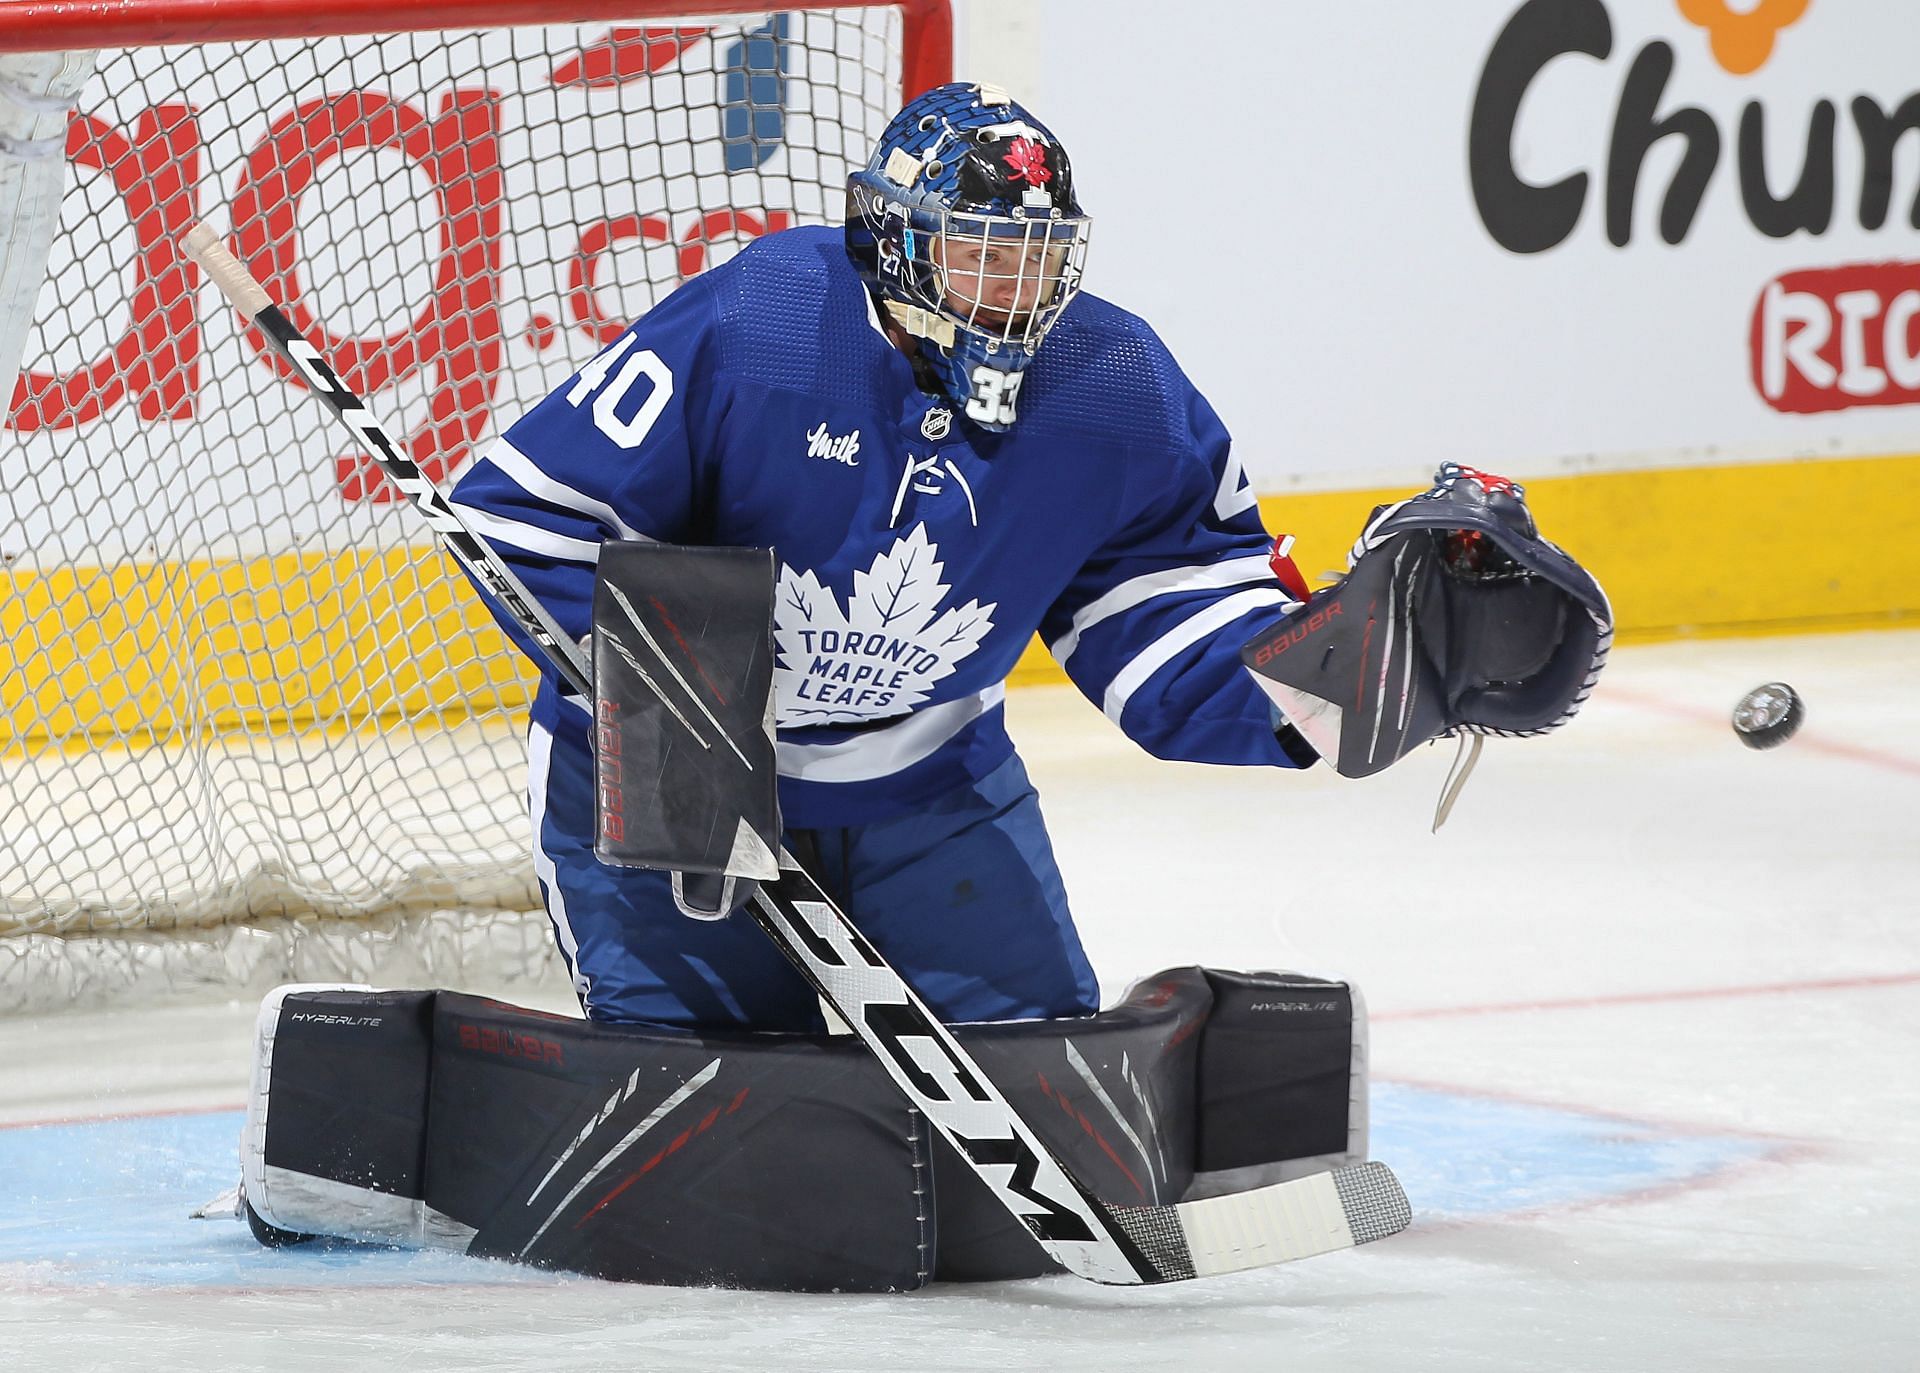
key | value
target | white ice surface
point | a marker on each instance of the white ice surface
(1634, 920)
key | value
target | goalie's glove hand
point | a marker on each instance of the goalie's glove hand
(1470, 554)
(1527, 629)
(1455, 618)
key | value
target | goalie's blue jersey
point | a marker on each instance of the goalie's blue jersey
(762, 405)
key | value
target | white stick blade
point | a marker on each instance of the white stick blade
(1294, 1220)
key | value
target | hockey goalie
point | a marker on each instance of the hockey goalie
(840, 1031)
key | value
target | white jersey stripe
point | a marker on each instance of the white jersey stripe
(1189, 631)
(549, 490)
(529, 538)
(1134, 591)
(873, 317)
(883, 752)
(539, 769)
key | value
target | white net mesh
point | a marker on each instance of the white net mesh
(252, 726)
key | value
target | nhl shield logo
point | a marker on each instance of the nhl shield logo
(937, 423)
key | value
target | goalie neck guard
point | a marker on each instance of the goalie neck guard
(965, 224)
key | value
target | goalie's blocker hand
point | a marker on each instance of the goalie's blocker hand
(1455, 617)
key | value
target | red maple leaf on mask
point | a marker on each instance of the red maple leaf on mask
(1027, 161)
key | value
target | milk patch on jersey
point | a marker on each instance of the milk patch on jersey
(821, 444)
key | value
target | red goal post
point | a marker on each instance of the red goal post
(47, 25)
(252, 727)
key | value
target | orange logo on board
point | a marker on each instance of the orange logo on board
(1742, 43)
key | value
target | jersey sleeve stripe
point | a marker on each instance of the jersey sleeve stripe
(551, 490)
(883, 752)
(873, 317)
(1184, 635)
(539, 770)
(1130, 593)
(529, 538)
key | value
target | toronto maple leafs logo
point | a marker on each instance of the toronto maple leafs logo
(884, 652)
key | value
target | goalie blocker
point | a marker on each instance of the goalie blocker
(685, 778)
(781, 1162)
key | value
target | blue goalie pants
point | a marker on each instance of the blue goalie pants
(963, 897)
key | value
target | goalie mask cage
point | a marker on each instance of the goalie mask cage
(254, 727)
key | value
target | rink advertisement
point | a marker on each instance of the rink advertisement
(1660, 259)
(1532, 238)
(1818, 171)
(1837, 337)
(404, 209)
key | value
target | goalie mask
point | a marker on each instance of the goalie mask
(965, 224)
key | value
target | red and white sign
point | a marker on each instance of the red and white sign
(1836, 337)
(452, 250)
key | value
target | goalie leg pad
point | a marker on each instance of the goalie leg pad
(776, 1162)
(1281, 1083)
(607, 1150)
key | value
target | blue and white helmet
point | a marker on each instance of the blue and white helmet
(965, 223)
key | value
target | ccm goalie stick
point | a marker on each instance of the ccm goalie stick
(1086, 1236)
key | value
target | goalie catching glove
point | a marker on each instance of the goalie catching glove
(1455, 618)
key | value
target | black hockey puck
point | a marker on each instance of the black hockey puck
(1768, 715)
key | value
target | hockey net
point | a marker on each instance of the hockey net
(253, 726)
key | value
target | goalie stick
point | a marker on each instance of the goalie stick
(1088, 1237)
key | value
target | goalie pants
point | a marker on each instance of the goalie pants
(963, 897)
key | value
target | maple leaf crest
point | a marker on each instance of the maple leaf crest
(1027, 161)
(884, 651)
